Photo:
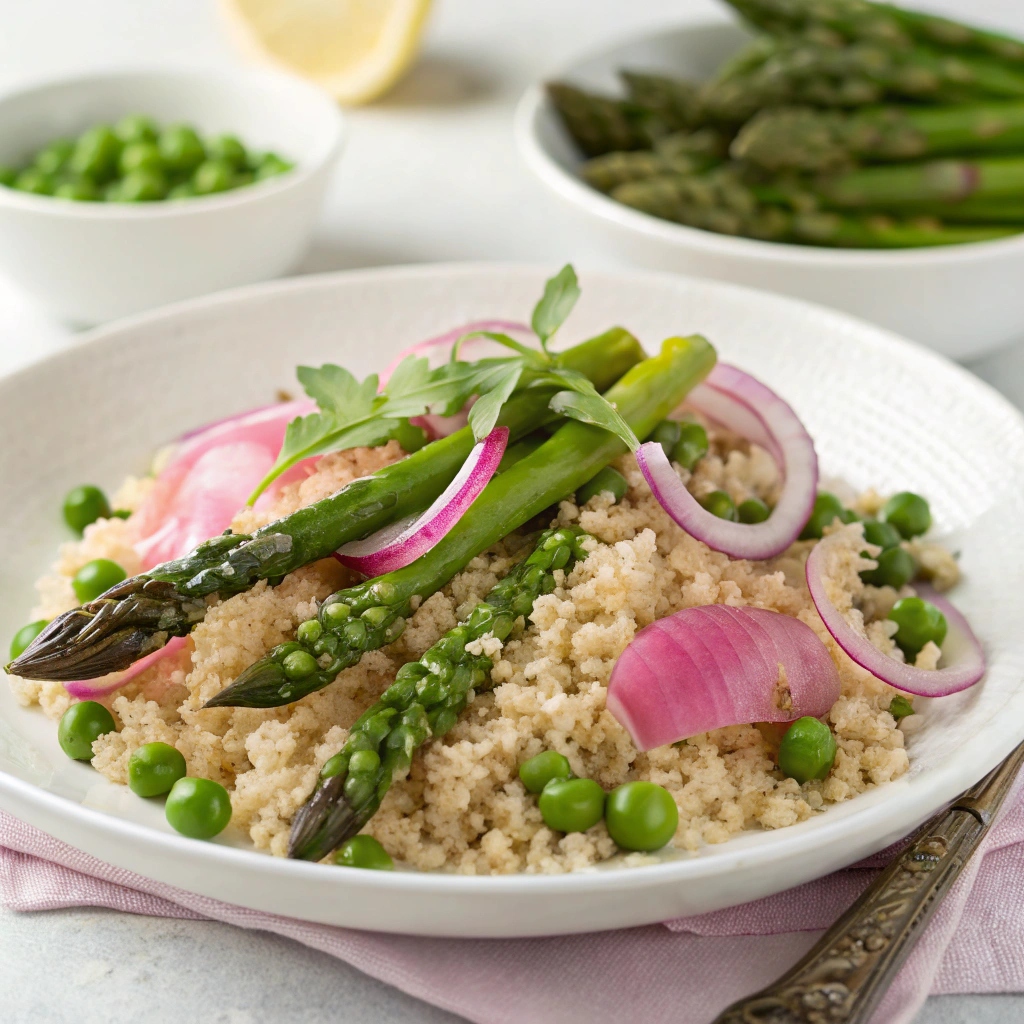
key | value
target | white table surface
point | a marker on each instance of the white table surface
(431, 174)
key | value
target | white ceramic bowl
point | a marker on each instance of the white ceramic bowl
(961, 300)
(883, 413)
(91, 262)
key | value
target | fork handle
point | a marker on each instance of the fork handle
(843, 977)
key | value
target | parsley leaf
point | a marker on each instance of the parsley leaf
(560, 295)
(484, 413)
(583, 403)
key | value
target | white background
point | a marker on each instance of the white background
(431, 173)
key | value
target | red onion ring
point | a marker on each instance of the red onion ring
(401, 543)
(747, 406)
(441, 346)
(961, 648)
(708, 667)
(90, 689)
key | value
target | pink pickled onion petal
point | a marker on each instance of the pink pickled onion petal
(961, 648)
(438, 350)
(210, 477)
(708, 667)
(206, 500)
(90, 689)
(385, 551)
(745, 405)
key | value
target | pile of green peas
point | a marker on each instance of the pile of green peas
(904, 516)
(638, 815)
(197, 808)
(138, 161)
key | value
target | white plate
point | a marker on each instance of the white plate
(883, 413)
(962, 300)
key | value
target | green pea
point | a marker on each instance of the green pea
(96, 577)
(21, 640)
(81, 190)
(364, 852)
(154, 768)
(571, 805)
(271, 165)
(900, 707)
(35, 182)
(667, 434)
(96, 153)
(180, 148)
(718, 503)
(641, 816)
(884, 535)
(607, 479)
(848, 516)
(299, 665)
(136, 128)
(54, 157)
(140, 156)
(142, 186)
(242, 178)
(753, 510)
(212, 176)
(112, 192)
(827, 507)
(919, 622)
(807, 750)
(908, 512)
(7, 175)
(536, 772)
(80, 726)
(896, 568)
(692, 445)
(84, 505)
(183, 190)
(228, 149)
(198, 808)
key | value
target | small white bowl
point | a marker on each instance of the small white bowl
(962, 300)
(91, 262)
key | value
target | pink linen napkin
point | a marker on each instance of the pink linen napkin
(975, 942)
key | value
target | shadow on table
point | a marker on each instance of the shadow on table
(440, 80)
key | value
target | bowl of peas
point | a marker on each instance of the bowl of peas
(128, 190)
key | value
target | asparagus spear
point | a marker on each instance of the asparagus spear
(139, 615)
(613, 169)
(860, 21)
(855, 75)
(876, 231)
(724, 204)
(800, 138)
(372, 614)
(599, 124)
(674, 100)
(423, 702)
(937, 181)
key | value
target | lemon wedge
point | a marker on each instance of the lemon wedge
(355, 49)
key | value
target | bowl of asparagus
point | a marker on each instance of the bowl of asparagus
(854, 154)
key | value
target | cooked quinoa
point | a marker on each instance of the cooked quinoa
(462, 807)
